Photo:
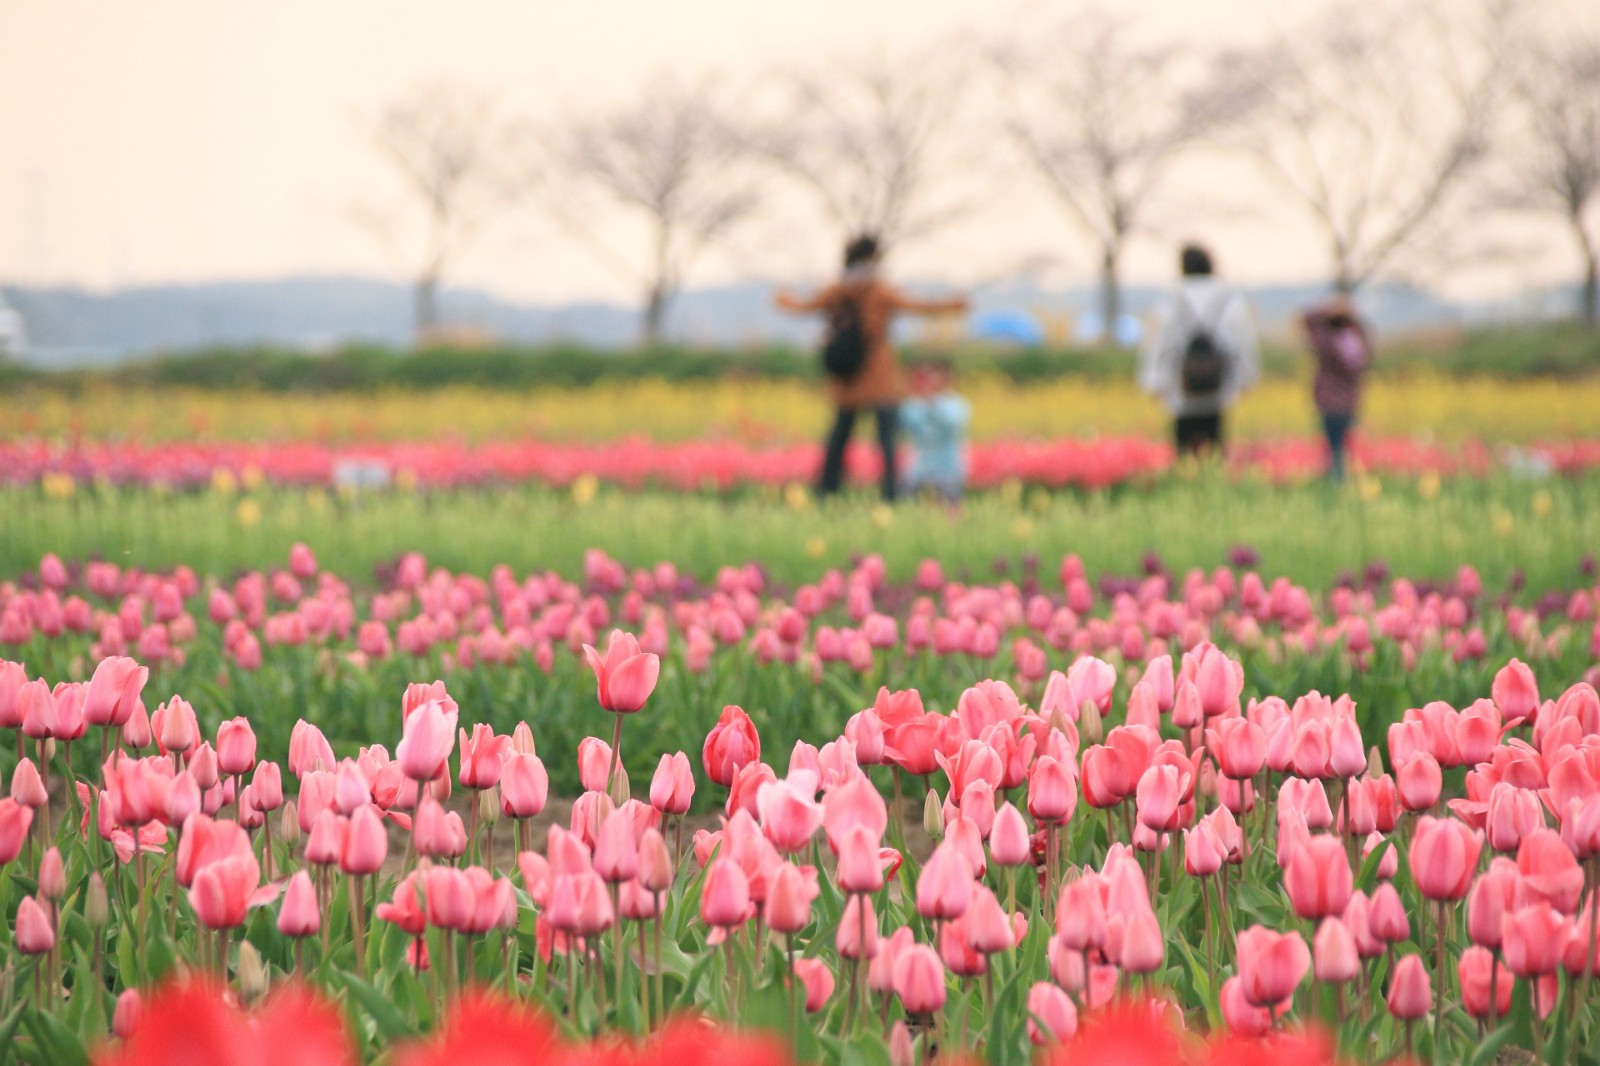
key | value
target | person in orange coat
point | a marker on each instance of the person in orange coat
(879, 384)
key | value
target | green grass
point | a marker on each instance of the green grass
(1312, 533)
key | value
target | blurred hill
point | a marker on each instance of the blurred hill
(70, 327)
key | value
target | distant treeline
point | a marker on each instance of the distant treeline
(1522, 352)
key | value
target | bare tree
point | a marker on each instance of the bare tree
(669, 159)
(1374, 117)
(1101, 116)
(1558, 168)
(447, 143)
(872, 140)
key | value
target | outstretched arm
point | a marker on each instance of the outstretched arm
(788, 301)
(950, 305)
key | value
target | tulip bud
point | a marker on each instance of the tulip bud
(902, 1052)
(52, 876)
(96, 907)
(128, 1014)
(489, 805)
(1091, 727)
(289, 824)
(1374, 762)
(933, 815)
(252, 973)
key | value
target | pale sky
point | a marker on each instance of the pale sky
(197, 140)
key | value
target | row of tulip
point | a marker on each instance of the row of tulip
(715, 465)
(798, 657)
(1246, 864)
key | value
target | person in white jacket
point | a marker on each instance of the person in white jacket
(1204, 316)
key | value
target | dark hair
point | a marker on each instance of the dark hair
(862, 249)
(1195, 261)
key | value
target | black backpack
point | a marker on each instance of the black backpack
(1204, 366)
(844, 353)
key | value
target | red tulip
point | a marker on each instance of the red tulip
(731, 744)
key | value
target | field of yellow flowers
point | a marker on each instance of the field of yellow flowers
(1425, 406)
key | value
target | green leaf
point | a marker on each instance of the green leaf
(383, 1011)
(55, 1042)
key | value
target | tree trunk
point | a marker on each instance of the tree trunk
(425, 299)
(1110, 294)
(655, 314)
(1590, 294)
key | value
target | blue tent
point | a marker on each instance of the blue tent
(1014, 327)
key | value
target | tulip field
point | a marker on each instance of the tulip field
(381, 730)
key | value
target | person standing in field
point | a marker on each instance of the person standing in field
(1342, 345)
(1201, 355)
(864, 372)
(935, 419)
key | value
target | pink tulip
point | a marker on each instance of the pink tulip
(789, 814)
(859, 867)
(1443, 857)
(1008, 837)
(946, 885)
(1271, 965)
(236, 747)
(1239, 745)
(524, 785)
(625, 675)
(725, 896)
(1535, 936)
(482, 755)
(27, 787)
(987, 927)
(919, 980)
(438, 833)
(366, 843)
(1052, 797)
(1242, 1016)
(1420, 781)
(1081, 913)
(114, 691)
(616, 855)
(672, 788)
(1318, 878)
(1515, 691)
(1475, 968)
(1336, 960)
(1549, 870)
(223, 891)
(857, 936)
(1410, 990)
(299, 915)
(1158, 797)
(1143, 946)
(788, 904)
(424, 750)
(36, 931)
(818, 982)
(128, 1014)
(655, 861)
(1050, 1006)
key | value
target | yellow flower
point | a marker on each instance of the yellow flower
(252, 478)
(58, 486)
(248, 512)
(797, 496)
(1022, 528)
(883, 516)
(1370, 487)
(816, 547)
(1428, 485)
(223, 482)
(1542, 503)
(584, 489)
(1504, 523)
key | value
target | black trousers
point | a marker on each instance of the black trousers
(1198, 433)
(844, 425)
